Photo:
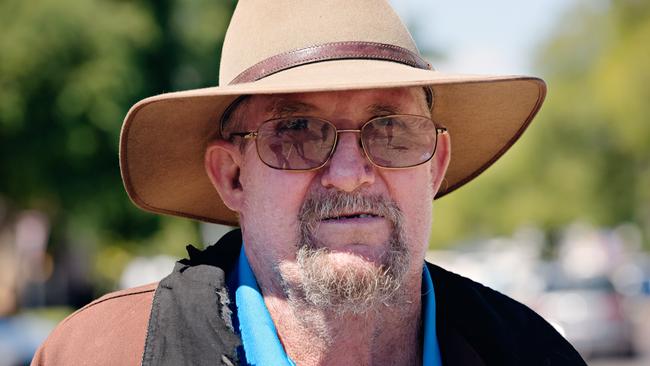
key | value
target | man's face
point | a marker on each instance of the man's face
(350, 218)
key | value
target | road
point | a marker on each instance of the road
(642, 340)
(640, 361)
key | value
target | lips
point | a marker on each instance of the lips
(348, 216)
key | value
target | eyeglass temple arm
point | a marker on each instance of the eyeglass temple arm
(246, 135)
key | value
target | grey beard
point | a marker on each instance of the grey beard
(352, 290)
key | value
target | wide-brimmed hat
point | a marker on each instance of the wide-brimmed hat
(287, 46)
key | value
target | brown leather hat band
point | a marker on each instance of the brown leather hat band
(327, 52)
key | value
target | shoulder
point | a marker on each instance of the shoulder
(498, 327)
(109, 330)
(465, 292)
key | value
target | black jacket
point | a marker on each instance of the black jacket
(475, 325)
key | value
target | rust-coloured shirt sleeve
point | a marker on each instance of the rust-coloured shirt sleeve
(109, 331)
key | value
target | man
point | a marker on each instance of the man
(327, 142)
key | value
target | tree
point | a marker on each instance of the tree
(587, 154)
(69, 71)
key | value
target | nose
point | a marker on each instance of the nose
(349, 168)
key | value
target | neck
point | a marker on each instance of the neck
(387, 335)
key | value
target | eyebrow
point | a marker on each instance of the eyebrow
(382, 109)
(283, 108)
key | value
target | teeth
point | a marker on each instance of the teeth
(359, 216)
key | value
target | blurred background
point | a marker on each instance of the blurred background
(562, 222)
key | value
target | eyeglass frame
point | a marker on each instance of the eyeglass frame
(247, 135)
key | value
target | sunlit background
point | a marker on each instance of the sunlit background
(561, 222)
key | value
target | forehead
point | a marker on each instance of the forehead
(352, 103)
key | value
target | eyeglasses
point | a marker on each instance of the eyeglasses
(307, 143)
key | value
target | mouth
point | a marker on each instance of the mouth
(352, 216)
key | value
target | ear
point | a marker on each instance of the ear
(222, 164)
(440, 161)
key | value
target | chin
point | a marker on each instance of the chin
(353, 257)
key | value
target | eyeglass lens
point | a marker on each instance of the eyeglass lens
(303, 143)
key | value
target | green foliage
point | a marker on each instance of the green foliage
(587, 154)
(69, 71)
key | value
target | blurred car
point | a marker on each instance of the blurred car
(20, 336)
(590, 314)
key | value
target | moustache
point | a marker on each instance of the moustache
(332, 204)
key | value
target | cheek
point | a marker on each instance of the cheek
(412, 190)
(272, 200)
(266, 194)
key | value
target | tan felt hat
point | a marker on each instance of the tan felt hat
(285, 46)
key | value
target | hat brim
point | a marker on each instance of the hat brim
(164, 137)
